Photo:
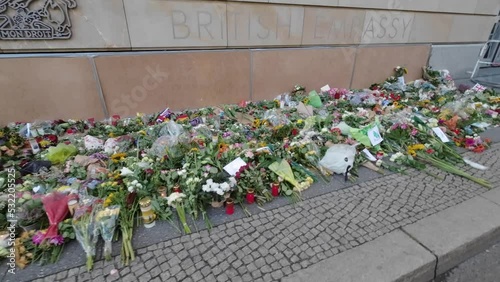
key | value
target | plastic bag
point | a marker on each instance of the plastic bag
(314, 99)
(34, 167)
(339, 158)
(275, 117)
(92, 143)
(61, 153)
(284, 170)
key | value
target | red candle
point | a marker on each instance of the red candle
(250, 196)
(229, 206)
(275, 189)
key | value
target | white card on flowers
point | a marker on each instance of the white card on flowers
(374, 136)
(369, 155)
(439, 133)
(233, 167)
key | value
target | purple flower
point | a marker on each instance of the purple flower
(414, 132)
(404, 126)
(395, 126)
(226, 134)
(58, 240)
(37, 238)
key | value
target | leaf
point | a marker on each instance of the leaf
(288, 192)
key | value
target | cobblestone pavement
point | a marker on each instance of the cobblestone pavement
(272, 244)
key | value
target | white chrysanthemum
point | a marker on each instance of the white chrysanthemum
(224, 186)
(220, 192)
(130, 189)
(210, 181)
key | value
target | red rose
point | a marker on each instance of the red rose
(295, 131)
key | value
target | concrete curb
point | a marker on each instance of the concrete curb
(419, 251)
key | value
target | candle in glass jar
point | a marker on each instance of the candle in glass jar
(177, 189)
(275, 189)
(229, 206)
(148, 215)
(250, 196)
(162, 192)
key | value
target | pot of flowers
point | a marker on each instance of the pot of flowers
(30, 214)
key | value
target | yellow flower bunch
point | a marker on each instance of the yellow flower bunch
(262, 144)
(111, 134)
(441, 99)
(44, 143)
(305, 101)
(109, 200)
(300, 121)
(194, 149)
(2, 134)
(412, 150)
(277, 102)
(118, 157)
(256, 122)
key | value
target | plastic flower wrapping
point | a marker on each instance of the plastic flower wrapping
(106, 219)
(86, 229)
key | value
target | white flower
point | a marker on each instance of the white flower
(224, 186)
(210, 181)
(139, 185)
(249, 154)
(232, 181)
(220, 192)
(134, 182)
(125, 171)
(175, 197)
(181, 172)
(378, 163)
(205, 188)
(130, 189)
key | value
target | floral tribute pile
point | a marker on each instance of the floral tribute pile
(87, 179)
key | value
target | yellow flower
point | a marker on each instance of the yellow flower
(142, 132)
(412, 152)
(441, 99)
(1, 134)
(305, 101)
(262, 144)
(300, 121)
(256, 122)
(44, 143)
(111, 134)
(194, 150)
(118, 157)
(277, 102)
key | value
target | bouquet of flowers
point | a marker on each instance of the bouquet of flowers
(85, 227)
(175, 200)
(106, 222)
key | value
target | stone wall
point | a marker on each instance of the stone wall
(161, 24)
(215, 52)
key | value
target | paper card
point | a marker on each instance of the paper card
(374, 136)
(478, 88)
(325, 88)
(439, 133)
(482, 124)
(369, 155)
(34, 146)
(233, 167)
